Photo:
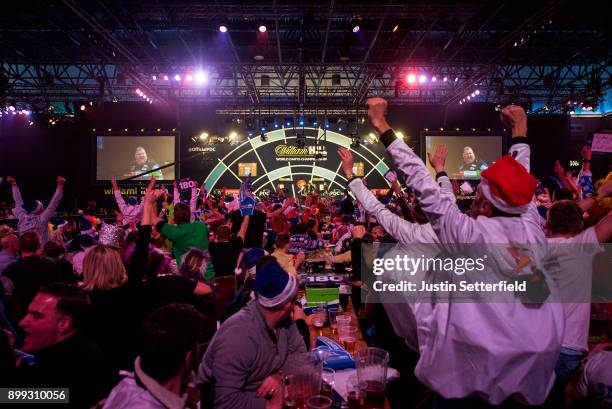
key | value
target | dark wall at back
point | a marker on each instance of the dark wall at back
(36, 154)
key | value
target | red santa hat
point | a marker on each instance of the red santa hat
(508, 185)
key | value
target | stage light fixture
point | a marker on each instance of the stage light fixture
(31, 123)
(468, 97)
(82, 107)
(223, 29)
(201, 77)
(155, 78)
(233, 135)
(177, 77)
(203, 136)
(422, 78)
(434, 79)
(262, 29)
(340, 129)
(188, 78)
(456, 79)
(445, 79)
(301, 122)
(399, 135)
(410, 78)
(11, 108)
(276, 125)
(326, 126)
(165, 78)
(395, 28)
(250, 134)
(477, 92)
(355, 28)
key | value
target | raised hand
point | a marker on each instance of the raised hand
(11, 180)
(114, 183)
(586, 152)
(515, 118)
(347, 161)
(558, 169)
(61, 181)
(377, 108)
(151, 184)
(438, 159)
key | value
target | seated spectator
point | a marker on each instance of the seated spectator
(167, 355)
(225, 250)
(28, 275)
(63, 355)
(9, 246)
(249, 377)
(591, 385)
(284, 258)
(55, 251)
(300, 242)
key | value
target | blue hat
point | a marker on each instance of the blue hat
(250, 259)
(85, 226)
(58, 222)
(273, 285)
(31, 206)
(132, 201)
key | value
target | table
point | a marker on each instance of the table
(326, 331)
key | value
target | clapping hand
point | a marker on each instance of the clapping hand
(438, 159)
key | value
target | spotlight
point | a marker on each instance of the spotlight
(263, 129)
(372, 136)
(203, 136)
(301, 122)
(410, 78)
(340, 129)
(399, 135)
(468, 97)
(155, 78)
(395, 28)
(473, 94)
(326, 126)
(31, 123)
(250, 134)
(26, 112)
(356, 29)
(82, 107)
(477, 92)
(456, 79)
(223, 29)
(434, 79)
(11, 108)
(138, 91)
(262, 29)
(165, 78)
(201, 77)
(445, 79)
(276, 125)
(177, 77)
(422, 78)
(233, 135)
(188, 78)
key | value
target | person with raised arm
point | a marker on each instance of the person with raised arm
(131, 210)
(32, 214)
(491, 351)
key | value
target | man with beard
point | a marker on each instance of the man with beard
(142, 163)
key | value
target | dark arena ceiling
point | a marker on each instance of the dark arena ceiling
(544, 53)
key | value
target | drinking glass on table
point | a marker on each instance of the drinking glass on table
(318, 402)
(333, 313)
(319, 316)
(355, 397)
(348, 337)
(371, 364)
(327, 386)
(343, 320)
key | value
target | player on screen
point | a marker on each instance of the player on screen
(471, 162)
(142, 163)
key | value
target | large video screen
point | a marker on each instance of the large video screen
(468, 156)
(127, 156)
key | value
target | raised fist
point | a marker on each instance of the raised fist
(377, 108)
(514, 117)
(11, 180)
(61, 180)
(347, 161)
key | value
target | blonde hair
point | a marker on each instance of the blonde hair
(103, 269)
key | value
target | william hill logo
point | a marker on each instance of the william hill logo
(291, 150)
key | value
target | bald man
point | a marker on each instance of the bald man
(470, 162)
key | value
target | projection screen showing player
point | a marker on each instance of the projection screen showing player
(128, 156)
